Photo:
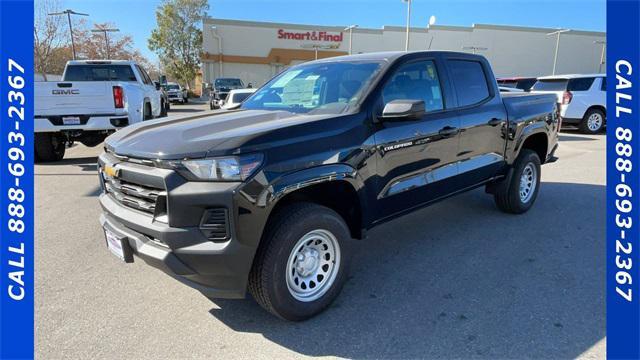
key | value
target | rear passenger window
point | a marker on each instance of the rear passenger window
(415, 81)
(603, 86)
(469, 81)
(580, 84)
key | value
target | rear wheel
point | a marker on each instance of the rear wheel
(592, 122)
(148, 115)
(517, 193)
(302, 263)
(49, 147)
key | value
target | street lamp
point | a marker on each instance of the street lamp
(69, 12)
(555, 57)
(432, 21)
(106, 37)
(350, 30)
(474, 49)
(604, 46)
(217, 37)
(406, 43)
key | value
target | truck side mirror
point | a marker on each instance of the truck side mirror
(157, 84)
(403, 110)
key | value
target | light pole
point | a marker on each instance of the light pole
(432, 21)
(406, 43)
(217, 37)
(350, 30)
(106, 37)
(555, 56)
(474, 49)
(69, 12)
(604, 46)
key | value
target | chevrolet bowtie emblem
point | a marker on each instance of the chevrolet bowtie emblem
(111, 171)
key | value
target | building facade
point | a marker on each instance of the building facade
(256, 51)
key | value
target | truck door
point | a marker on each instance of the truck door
(414, 157)
(483, 120)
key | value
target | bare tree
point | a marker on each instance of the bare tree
(49, 34)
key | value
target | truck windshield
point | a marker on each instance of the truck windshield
(550, 85)
(323, 87)
(102, 72)
(228, 83)
(173, 87)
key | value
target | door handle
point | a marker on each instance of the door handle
(448, 131)
(495, 121)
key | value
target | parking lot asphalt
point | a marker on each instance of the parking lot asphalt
(455, 280)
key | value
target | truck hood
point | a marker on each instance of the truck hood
(199, 136)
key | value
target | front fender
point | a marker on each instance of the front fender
(312, 176)
(258, 198)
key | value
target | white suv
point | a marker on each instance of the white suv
(582, 99)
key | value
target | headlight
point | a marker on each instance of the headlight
(232, 168)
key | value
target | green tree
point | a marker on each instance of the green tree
(177, 38)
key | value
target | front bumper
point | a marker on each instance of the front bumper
(175, 97)
(179, 247)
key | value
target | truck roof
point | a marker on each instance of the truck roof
(101, 62)
(390, 56)
(569, 76)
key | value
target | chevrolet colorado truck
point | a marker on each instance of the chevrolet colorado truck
(94, 98)
(268, 198)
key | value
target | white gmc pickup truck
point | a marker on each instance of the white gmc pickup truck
(94, 98)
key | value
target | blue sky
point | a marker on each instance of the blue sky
(137, 17)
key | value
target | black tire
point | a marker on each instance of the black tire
(267, 279)
(584, 124)
(507, 193)
(210, 106)
(49, 147)
(148, 114)
(186, 100)
(163, 109)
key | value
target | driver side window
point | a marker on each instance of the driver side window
(415, 81)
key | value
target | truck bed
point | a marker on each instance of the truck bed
(523, 106)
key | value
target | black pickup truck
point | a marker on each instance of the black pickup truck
(269, 198)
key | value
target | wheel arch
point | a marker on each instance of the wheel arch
(597, 107)
(334, 186)
(536, 140)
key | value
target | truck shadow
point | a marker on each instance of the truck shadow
(87, 163)
(175, 109)
(459, 280)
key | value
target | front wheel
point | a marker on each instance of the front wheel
(517, 193)
(302, 262)
(163, 109)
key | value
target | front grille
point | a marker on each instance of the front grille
(140, 197)
(214, 224)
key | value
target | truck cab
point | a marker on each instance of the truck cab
(270, 197)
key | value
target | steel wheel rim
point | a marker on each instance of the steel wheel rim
(528, 181)
(312, 266)
(594, 122)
